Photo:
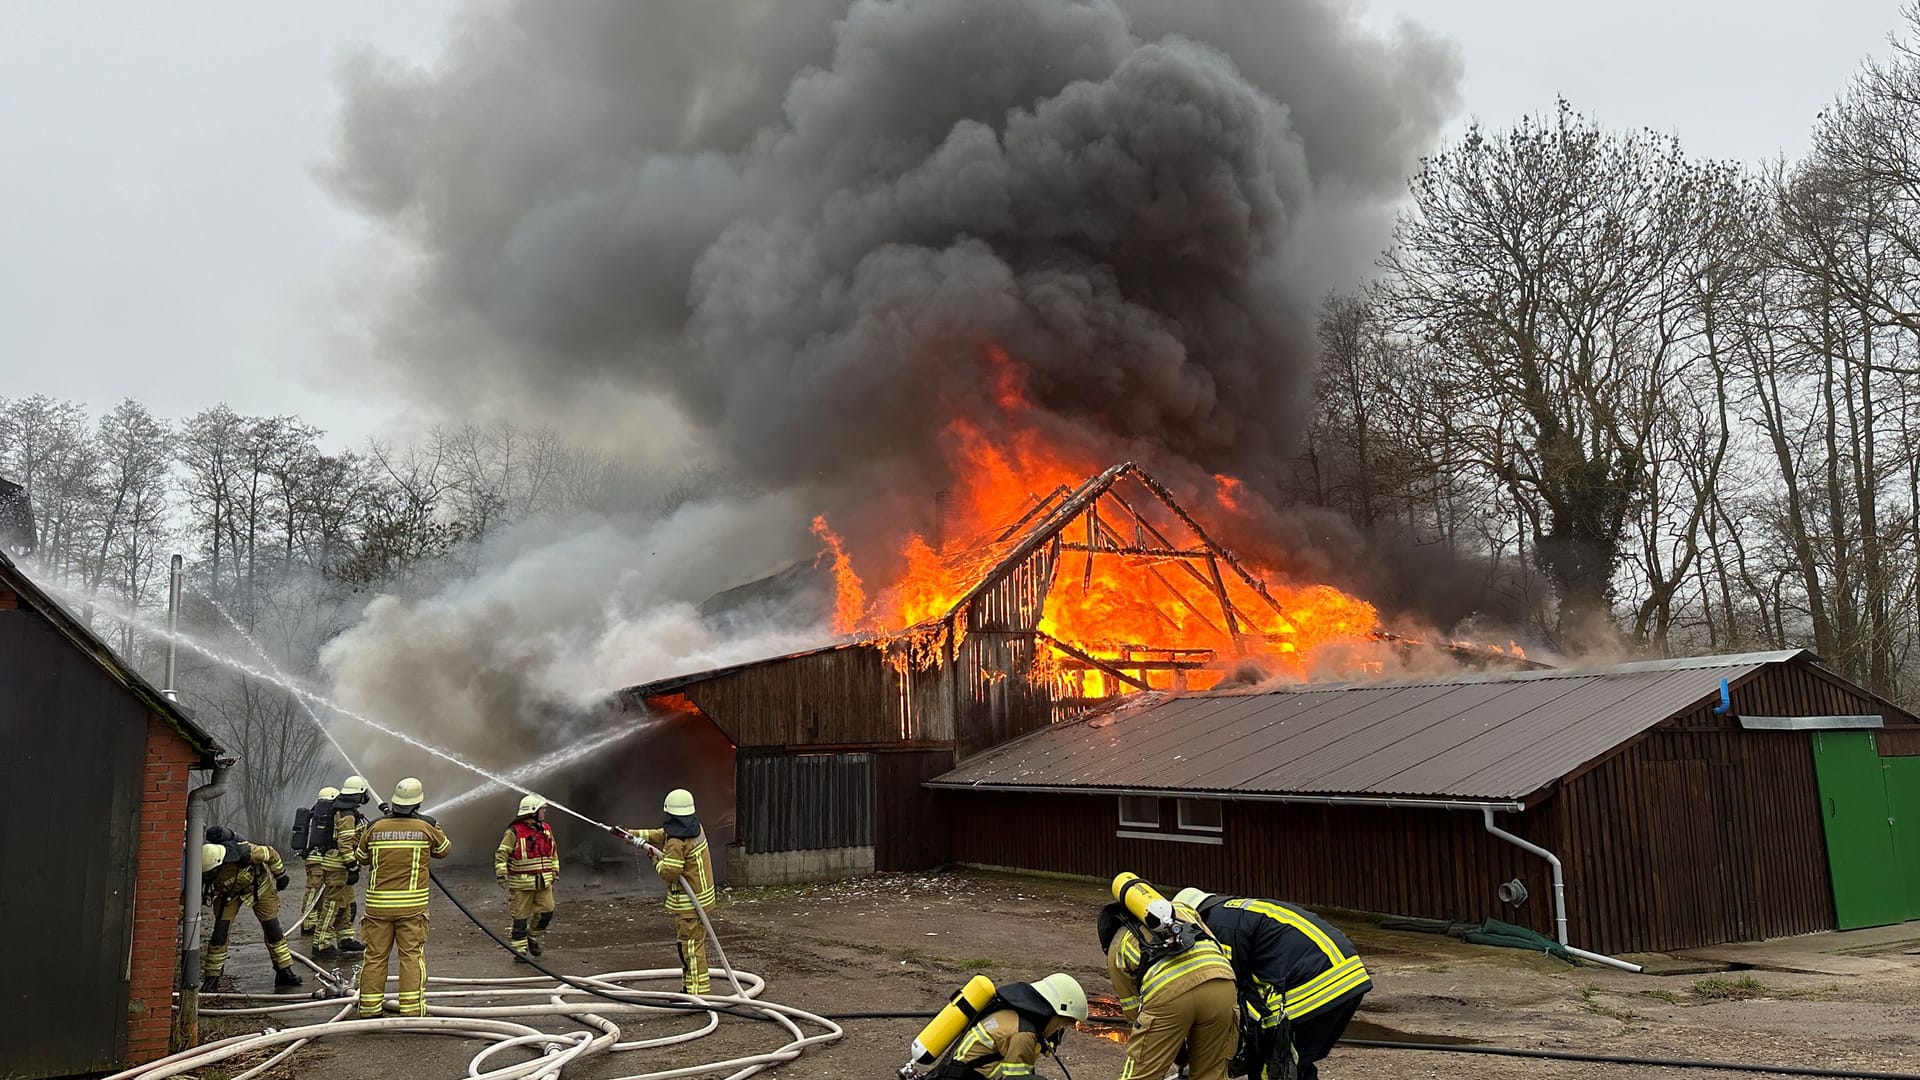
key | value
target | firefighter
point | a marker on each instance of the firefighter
(526, 864)
(1006, 1043)
(684, 859)
(333, 928)
(237, 874)
(1177, 990)
(1307, 973)
(395, 849)
(316, 867)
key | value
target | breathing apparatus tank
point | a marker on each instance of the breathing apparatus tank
(949, 1023)
(1143, 901)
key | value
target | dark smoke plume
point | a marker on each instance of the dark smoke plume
(803, 222)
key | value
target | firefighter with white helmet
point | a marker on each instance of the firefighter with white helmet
(1021, 1022)
(685, 864)
(333, 927)
(312, 858)
(1306, 974)
(396, 850)
(235, 874)
(527, 864)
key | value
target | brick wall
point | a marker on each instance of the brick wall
(156, 912)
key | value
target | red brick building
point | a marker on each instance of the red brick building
(84, 737)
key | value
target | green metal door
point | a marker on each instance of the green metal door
(1903, 797)
(1868, 888)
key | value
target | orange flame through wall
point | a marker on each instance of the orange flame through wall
(1133, 585)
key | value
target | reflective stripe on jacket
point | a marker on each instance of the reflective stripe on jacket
(1000, 1046)
(515, 860)
(346, 827)
(682, 858)
(1292, 956)
(397, 849)
(1175, 974)
(244, 879)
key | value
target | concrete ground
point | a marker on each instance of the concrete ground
(897, 942)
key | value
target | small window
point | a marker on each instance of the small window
(1140, 810)
(1201, 815)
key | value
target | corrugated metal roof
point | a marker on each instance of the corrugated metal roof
(1473, 737)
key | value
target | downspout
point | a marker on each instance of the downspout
(186, 1022)
(1559, 893)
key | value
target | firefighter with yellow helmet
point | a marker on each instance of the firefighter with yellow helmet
(1020, 1022)
(527, 864)
(1173, 980)
(333, 927)
(396, 850)
(685, 864)
(233, 875)
(303, 845)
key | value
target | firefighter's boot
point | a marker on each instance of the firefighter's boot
(286, 979)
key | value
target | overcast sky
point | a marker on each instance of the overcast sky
(161, 236)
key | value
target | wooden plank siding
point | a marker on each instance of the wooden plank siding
(909, 831)
(1694, 834)
(1436, 864)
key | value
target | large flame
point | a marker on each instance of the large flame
(1161, 617)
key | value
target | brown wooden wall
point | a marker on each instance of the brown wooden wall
(909, 832)
(839, 697)
(1697, 833)
(1435, 864)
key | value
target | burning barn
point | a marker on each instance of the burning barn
(1104, 589)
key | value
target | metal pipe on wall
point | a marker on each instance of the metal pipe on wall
(173, 625)
(1559, 893)
(186, 1022)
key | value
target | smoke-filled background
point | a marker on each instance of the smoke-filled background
(781, 237)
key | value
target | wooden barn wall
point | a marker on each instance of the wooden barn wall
(909, 831)
(1435, 864)
(840, 697)
(1703, 832)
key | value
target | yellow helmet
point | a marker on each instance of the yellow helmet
(355, 785)
(679, 803)
(1191, 897)
(329, 793)
(531, 805)
(409, 793)
(1063, 992)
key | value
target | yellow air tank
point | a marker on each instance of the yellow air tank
(951, 1021)
(1143, 900)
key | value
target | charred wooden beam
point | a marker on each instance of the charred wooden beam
(1160, 492)
(1139, 552)
(1074, 664)
(1092, 661)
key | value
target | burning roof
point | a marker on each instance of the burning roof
(1126, 588)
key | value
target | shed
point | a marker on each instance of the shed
(1682, 818)
(94, 914)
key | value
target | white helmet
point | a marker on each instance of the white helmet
(1063, 992)
(531, 805)
(409, 793)
(354, 785)
(329, 794)
(211, 856)
(679, 803)
(1191, 897)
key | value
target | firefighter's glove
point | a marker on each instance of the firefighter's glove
(353, 876)
(500, 881)
(281, 881)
